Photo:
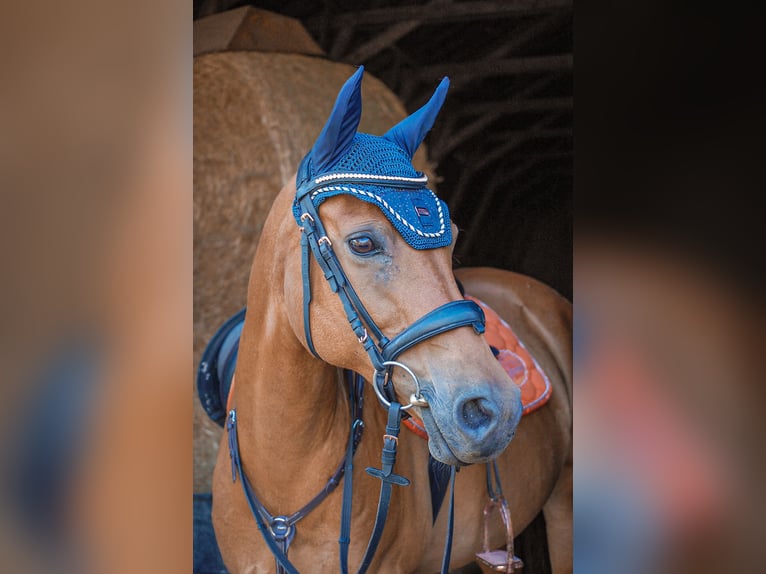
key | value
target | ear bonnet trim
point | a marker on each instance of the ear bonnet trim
(372, 198)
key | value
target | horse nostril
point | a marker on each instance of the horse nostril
(476, 413)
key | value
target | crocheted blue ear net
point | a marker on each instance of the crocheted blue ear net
(342, 159)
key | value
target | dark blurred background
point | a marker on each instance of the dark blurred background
(669, 283)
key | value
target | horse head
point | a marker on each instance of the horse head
(384, 243)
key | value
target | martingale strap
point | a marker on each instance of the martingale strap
(278, 550)
(279, 531)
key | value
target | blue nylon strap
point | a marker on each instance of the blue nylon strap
(449, 316)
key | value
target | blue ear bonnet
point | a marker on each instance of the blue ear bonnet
(377, 169)
(415, 211)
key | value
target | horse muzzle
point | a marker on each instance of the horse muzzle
(473, 427)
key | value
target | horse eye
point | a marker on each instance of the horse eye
(362, 245)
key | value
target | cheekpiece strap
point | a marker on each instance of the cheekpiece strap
(315, 238)
(306, 273)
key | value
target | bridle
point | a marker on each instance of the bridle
(381, 350)
(278, 531)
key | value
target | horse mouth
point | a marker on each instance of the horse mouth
(448, 448)
(437, 444)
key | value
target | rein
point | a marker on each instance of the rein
(279, 531)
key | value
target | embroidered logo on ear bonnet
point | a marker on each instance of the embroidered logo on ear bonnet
(377, 169)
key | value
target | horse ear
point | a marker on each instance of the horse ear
(409, 133)
(338, 133)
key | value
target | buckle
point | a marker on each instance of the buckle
(391, 437)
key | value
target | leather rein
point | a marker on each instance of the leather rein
(279, 531)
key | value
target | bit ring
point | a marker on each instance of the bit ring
(416, 399)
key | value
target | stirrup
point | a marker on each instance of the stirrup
(499, 560)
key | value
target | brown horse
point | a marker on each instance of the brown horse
(292, 410)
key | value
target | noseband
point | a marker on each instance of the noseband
(382, 351)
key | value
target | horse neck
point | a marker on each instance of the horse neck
(292, 411)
